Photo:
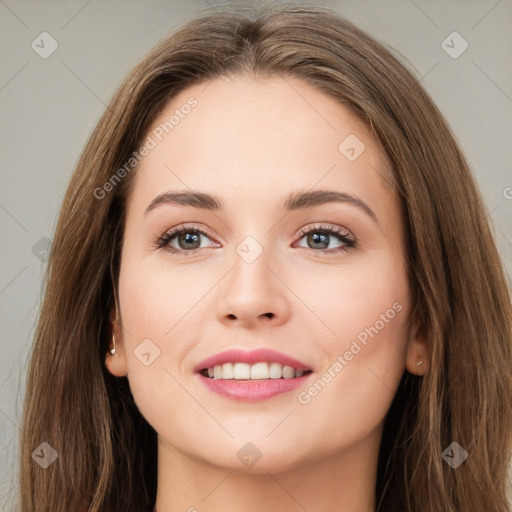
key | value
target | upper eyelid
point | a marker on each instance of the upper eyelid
(190, 227)
(320, 226)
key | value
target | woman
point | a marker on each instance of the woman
(255, 368)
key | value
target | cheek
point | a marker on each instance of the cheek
(156, 295)
(365, 299)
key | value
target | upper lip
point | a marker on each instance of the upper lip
(250, 357)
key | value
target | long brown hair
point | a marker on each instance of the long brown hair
(107, 452)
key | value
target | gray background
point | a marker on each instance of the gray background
(48, 107)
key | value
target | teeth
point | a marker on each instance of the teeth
(240, 371)
(258, 371)
(227, 371)
(275, 371)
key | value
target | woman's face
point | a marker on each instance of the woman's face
(318, 278)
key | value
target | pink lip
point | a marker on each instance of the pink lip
(252, 390)
(259, 355)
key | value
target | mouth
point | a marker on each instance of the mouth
(252, 376)
(253, 372)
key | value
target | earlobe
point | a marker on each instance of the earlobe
(418, 357)
(418, 369)
(115, 361)
(418, 360)
(116, 365)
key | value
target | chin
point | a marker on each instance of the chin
(251, 460)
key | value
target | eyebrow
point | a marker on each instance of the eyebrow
(299, 200)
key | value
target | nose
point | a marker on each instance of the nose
(253, 294)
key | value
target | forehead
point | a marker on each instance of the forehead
(253, 139)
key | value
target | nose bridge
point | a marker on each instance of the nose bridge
(253, 246)
(251, 275)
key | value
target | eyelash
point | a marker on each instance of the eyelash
(336, 231)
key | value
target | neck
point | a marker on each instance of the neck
(343, 481)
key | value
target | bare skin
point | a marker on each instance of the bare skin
(252, 142)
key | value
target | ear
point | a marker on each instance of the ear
(116, 364)
(417, 349)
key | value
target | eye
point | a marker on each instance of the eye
(188, 239)
(317, 237)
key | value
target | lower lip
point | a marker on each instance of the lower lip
(252, 390)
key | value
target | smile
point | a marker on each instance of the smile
(258, 371)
